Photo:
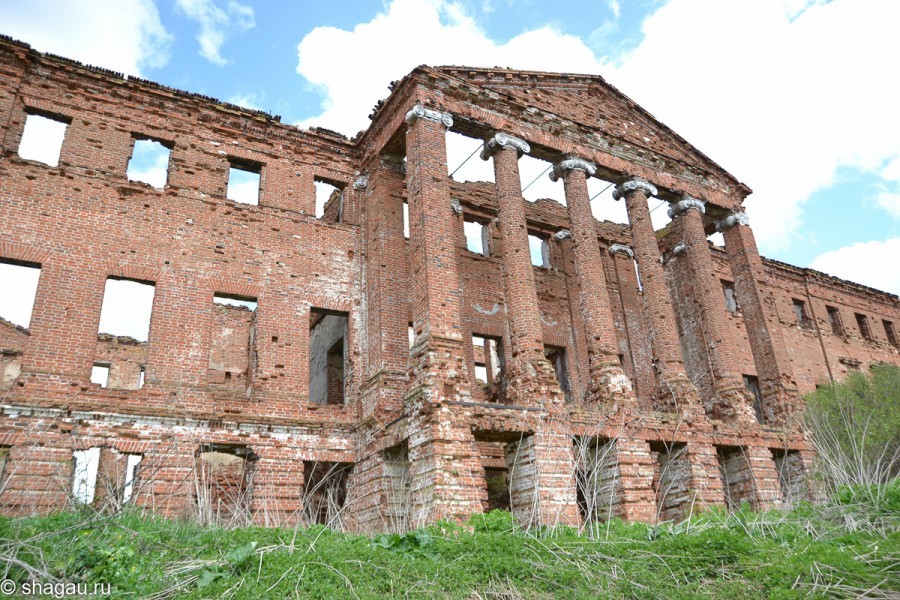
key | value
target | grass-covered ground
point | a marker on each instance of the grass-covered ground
(845, 548)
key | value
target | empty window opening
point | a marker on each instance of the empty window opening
(539, 248)
(325, 492)
(889, 332)
(488, 358)
(834, 319)
(398, 500)
(411, 334)
(751, 382)
(497, 479)
(232, 350)
(127, 306)
(737, 479)
(100, 375)
(671, 480)
(596, 477)
(730, 297)
(800, 313)
(42, 138)
(141, 376)
(329, 201)
(406, 220)
(4, 460)
(149, 162)
(536, 182)
(862, 321)
(84, 478)
(463, 160)
(18, 287)
(791, 475)
(243, 182)
(132, 465)
(557, 357)
(224, 484)
(327, 356)
(477, 237)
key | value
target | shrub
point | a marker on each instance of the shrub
(856, 429)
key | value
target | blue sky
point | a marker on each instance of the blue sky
(797, 98)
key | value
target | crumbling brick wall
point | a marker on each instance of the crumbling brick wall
(416, 436)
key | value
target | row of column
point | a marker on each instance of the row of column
(438, 307)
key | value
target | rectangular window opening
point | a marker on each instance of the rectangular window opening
(800, 313)
(141, 376)
(327, 356)
(463, 163)
(18, 287)
(488, 358)
(122, 336)
(730, 298)
(84, 477)
(329, 200)
(325, 492)
(406, 219)
(557, 357)
(539, 248)
(889, 332)
(862, 321)
(536, 185)
(149, 162)
(43, 137)
(596, 475)
(477, 237)
(834, 319)
(132, 466)
(737, 479)
(751, 382)
(397, 487)
(100, 375)
(232, 351)
(244, 182)
(224, 478)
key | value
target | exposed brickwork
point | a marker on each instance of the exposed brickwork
(409, 433)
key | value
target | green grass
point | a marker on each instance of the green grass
(841, 549)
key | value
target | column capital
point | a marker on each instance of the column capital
(420, 112)
(634, 184)
(569, 163)
(685, 204)
(503, 140)
(361, 183)
(621, 249)
(732, 220)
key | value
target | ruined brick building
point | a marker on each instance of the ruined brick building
(381, 381)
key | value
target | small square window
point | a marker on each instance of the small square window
(149, 162)
(243, 182)
(42, 138)
(100, 375)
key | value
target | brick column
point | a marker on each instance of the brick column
(781, 400)
(674, 388)
(446, 475)
(529, 376)
(608, 382)
(731, 399)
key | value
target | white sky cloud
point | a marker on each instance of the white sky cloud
(869, 263)
(216, 24)
(125, 36)
(781, 93)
